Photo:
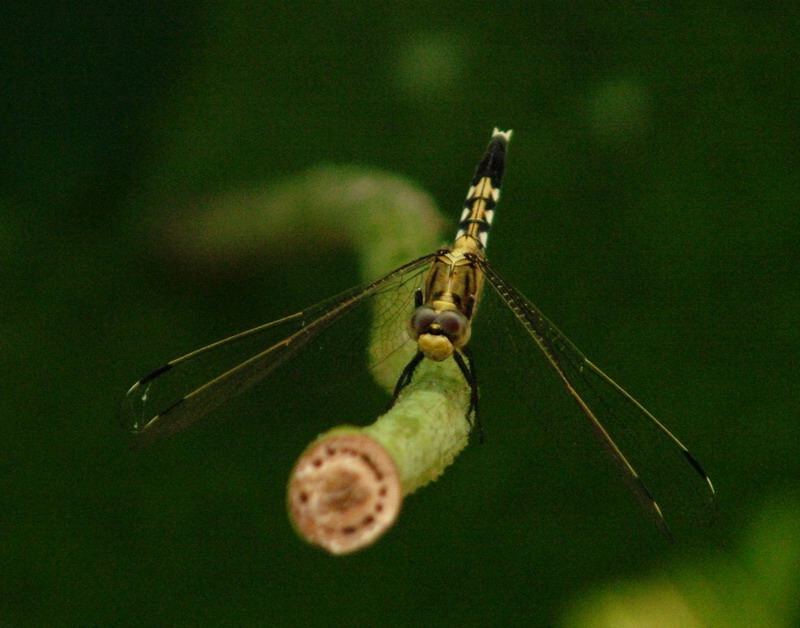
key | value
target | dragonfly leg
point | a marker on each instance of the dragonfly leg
(406, 376)
(467, 367)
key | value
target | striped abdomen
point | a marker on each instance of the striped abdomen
(483, 194)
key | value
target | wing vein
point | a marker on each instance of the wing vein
(201, 400)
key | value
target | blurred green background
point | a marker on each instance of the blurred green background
(650, 209)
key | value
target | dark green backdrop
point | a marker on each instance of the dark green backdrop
(650, 208)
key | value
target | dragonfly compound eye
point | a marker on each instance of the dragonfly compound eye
(455, 326)
(421, 321)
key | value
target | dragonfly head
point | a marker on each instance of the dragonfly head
(438, 334)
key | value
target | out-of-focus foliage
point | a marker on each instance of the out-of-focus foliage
(753, 584)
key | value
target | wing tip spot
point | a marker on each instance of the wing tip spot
(152, 375)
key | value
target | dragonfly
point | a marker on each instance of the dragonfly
(451, 281)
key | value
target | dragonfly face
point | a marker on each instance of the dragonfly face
(172, 397)
(439, 333)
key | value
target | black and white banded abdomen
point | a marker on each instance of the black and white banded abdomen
(483, 195)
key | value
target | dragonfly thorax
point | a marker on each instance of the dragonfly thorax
(439, 331)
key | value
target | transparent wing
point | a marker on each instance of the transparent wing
(647, 453)
(175, 395)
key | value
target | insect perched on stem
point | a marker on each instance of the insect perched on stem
(162, 403)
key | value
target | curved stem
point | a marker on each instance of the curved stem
(346, 488)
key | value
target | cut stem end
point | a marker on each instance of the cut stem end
(344, 492)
